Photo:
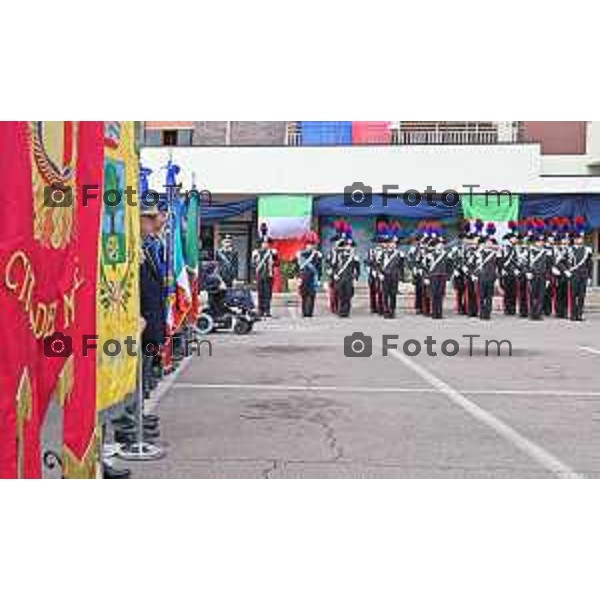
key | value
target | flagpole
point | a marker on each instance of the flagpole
(141, 450)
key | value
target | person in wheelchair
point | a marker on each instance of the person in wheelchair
(216, 289)
(227, 309)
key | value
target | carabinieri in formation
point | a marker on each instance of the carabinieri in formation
(542, 268)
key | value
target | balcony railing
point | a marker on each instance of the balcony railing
(436, 132)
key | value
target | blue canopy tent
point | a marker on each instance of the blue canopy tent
(562, 205)
(334, 206)
(220, 212)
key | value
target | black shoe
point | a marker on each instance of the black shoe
(124, 422)
(130, 437)
(110, 472)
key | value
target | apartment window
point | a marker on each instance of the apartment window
(169, 137)
(177, 137)
(152, 137)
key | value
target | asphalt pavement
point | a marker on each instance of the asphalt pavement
(285, 401)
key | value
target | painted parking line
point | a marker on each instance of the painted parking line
(301, 388)
(167, 384)
(589, 350)
(538, 454)
(378, 390)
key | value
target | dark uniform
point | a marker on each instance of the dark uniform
(264, 261)
(508, 278)
(580, 270)
(374, 279)
(414, 259)
(152, 273)
(228, 261)
(345, 268)
(391, 261)
(548, 303)
(522, 258)
(538, 267)
(438, 269)
(309, 267)
(561, 282)
(487, 272)
(459, 279)
(469, 269)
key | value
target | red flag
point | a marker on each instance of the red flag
(44, 281)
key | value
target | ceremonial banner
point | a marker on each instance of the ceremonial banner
(118, 278)
(287, 217)
(46, 283)
(80, 436)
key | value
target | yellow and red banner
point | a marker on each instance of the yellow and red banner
(48, 270)
(118, 278)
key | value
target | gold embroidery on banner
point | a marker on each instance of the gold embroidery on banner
(24, 405)
(54, 151)
(87, 467)
(65, 383)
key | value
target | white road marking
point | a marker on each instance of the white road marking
(377, 390)
(165, 385)
(299, 388)
(531, 449)
(590, 350)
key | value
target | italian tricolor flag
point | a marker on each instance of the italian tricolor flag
(286, 216)
(497, 209)
(183, 287)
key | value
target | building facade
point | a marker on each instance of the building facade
(240, 160)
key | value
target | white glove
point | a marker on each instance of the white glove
(568, 274)
(517, 272)
(426, 281)
(456, 273)
(529, 276)
(465, 270)
(474, 278)
(555, 272)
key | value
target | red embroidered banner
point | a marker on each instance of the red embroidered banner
(48, 263)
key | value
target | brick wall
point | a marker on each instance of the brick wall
(210, 133)
(258, 133)
(557, 137)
